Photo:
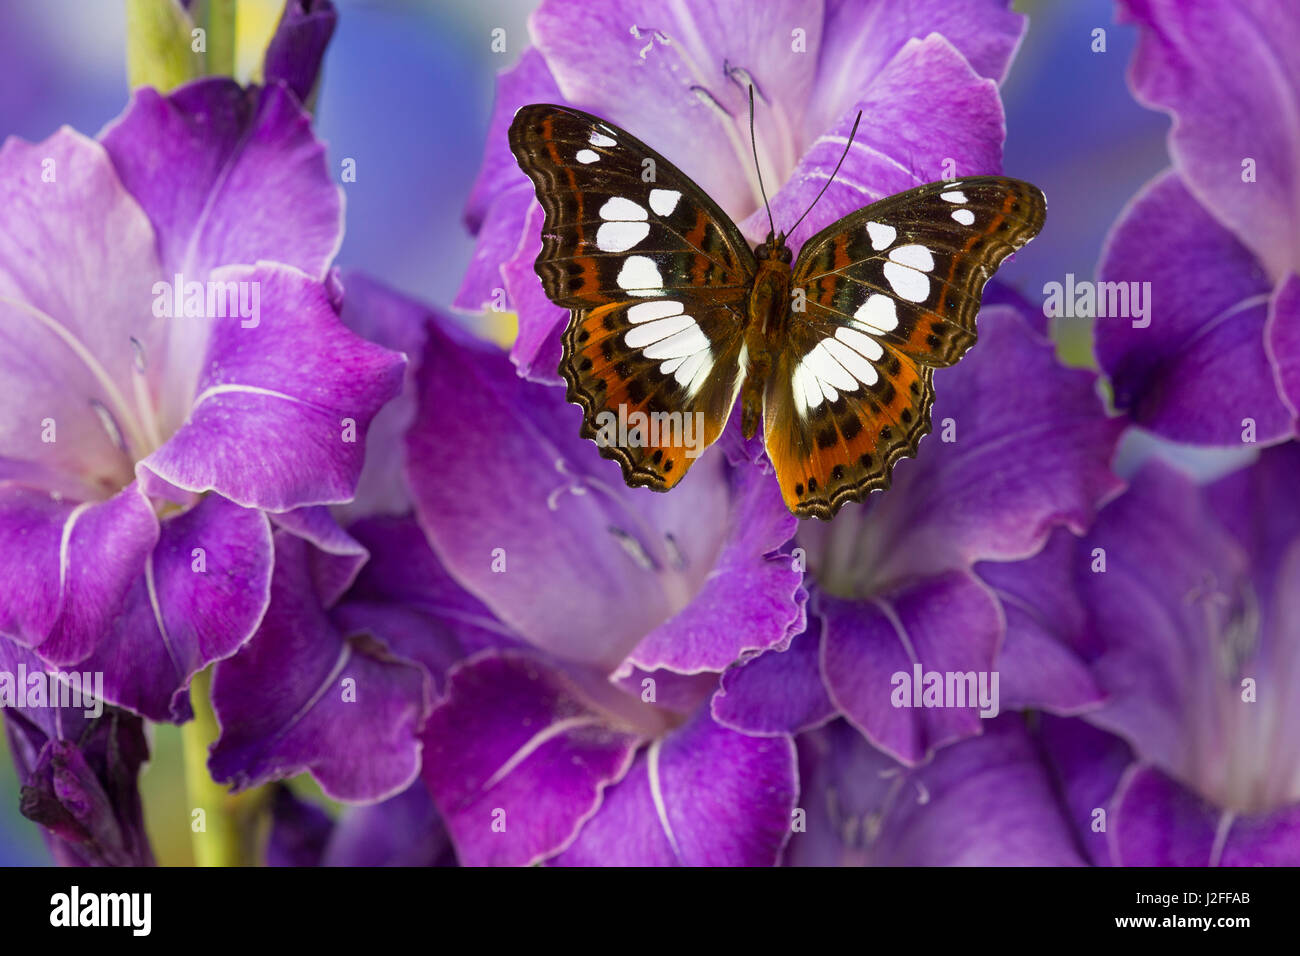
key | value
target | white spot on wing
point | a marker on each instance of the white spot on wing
(652, 332)
(587, 156)
(917, 257)
(694, 372)
(640, 276)
(853, 363)
(806, 383)
(954, 195)
(600, 139)
(907, 283)
(880, 312)
(882, 236)
(864, 345)
(664, 201)
(821, 362)
(686, 342)
(649, 311)
(617, 209)
(620, 236)
(964, 216)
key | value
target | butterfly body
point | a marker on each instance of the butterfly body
(672, 314)
(767, 319)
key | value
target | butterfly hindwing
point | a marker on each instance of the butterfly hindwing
(652, 366)
(890, 293)
(656, 278)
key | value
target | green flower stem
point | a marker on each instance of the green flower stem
(234, 825)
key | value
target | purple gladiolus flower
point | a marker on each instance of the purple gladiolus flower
(1215, 236)
(178, 381)
(1182, 603)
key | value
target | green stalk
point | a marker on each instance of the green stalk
(232, 823)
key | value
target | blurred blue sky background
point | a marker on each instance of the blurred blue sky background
(407, 91)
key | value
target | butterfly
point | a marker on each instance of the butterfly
(673, 316)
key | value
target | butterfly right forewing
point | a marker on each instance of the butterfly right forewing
(891, 293)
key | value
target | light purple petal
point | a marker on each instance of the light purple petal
(947, 623)
(381, 315)
(300, 696)
(77, 265)
(1044, 655)
(528, 81)
(228, 176)
(537, 350)
(572, 559)
(201, 598)
(1226, 70)
(859, 39)
(281, 408)
(701, 796)
(335, 556)
(1155, 609)
(908, 130)
(67, 569)
(988, 801)
(646, 85)
(1199, 369)
(780, 692)
(751, 577)
(516, 758)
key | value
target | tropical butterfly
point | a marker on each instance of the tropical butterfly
(672, 312)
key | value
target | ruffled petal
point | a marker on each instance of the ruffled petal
(200, 598)
(68, 569)
(516, 757)
(300, 696)
(701, 796)
(780, 692)
(1194, 367)
(947, 624)
(228, 176)
(1227, 72)
(282, 405)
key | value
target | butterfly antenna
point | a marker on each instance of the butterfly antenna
(843, 156)
(754, 142)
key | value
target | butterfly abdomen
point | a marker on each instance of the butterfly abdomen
(767, 319)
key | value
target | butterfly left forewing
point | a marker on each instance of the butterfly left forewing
(655, 276)
(889, 293)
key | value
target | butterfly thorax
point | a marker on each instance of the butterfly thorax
(767, 319)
